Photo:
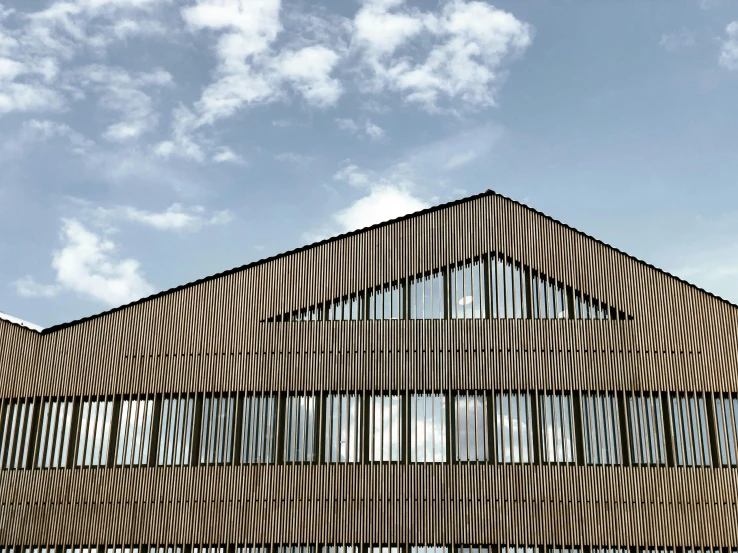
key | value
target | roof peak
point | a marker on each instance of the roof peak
(488, 192)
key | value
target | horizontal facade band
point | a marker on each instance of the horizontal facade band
(490, 427)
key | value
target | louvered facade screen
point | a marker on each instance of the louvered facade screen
(475, 378)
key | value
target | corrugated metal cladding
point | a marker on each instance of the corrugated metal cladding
(190, 421)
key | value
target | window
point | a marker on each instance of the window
(427, 428)
(56, 428)
(601, 429)
(467, 290)
(94, 434)
(385, 419)
(300, 429)
(17, 417)
(216, 441)
(342, 425)
(555, 415)
(386, 302)
(295, 549)
(340, 549)
(726, 417)
(646, 430)
(427, 296)
(135, 432)
(259, 429)
(175, 436)
(689, 425)
(514, 427)
(471, 427)
(348, 308)
(510, 286)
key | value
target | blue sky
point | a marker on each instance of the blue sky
(148, 143)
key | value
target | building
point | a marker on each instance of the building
(475, 377)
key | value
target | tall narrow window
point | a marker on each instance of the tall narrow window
(56, 428)
(296, 549)
(467, 287)
(340, 549)
(471, 427)
(342, 425)
(348, 308)
(514, 427)
(385, 423)
(175, 436)
(300, 430)
(135, 432)
(472, 549)
(216, 441)
(94, 434)
(726, 418)
(427, 295)
(259, 429)
(386, 302)
(555, 413)
(601, 429)
(428, 549)
(646, 430)
(690, 430)
(16, 433)
(427, 428)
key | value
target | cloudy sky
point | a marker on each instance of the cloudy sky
(148, 143)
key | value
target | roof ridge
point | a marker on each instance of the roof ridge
(488, 192)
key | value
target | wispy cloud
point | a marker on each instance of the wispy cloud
(294, 157)
(368, 128)
(677, 40)
(729, 47)
(176, 217)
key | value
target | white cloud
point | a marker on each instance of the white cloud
(35, 51)
(353, 175)
(248, 71)
(677, 40)
(386, 198)
(37, 130)
(88, 264)
(175, 218)
(460, 159)
(309, 70)
(29, 288)
(729, 50)
(427, 57)
(182, 142)
(384, 202)
(226, 155)
(347, 125)
(373, 131)
(28, 97)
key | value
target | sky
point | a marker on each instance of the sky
(148, 143)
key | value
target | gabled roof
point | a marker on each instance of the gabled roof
(359, 231)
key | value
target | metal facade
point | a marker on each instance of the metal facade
(218, 339)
